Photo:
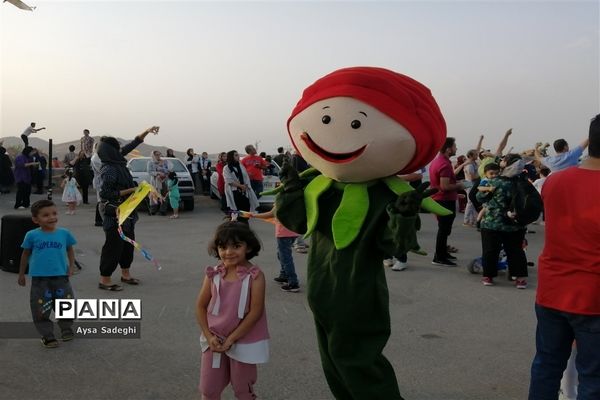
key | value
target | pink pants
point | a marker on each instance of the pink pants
(214, 380)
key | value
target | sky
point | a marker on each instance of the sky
(219, 75)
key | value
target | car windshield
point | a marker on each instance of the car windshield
(141, 165)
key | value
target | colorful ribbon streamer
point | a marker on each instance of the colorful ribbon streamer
(127, 207)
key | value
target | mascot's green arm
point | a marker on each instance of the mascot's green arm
(400, 186)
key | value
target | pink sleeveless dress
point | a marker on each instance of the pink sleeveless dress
(229, 304)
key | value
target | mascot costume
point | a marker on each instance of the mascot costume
(358, 128)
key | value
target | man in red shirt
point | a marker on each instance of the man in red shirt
(254, 166)
(568, 295)
(441, 174)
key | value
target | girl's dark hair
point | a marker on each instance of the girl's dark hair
(231, 157)
(232, 232)
(69, 173)
(173, 175)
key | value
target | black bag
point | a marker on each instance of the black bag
(14, 228)
(526, 201)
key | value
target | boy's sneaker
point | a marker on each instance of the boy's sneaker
(443, 263)
(487, 281)
(399, 266)
(67, 335)
(291, 288)
(451, 257)
(280, 279)
(388, 262)
(301, 249)
(49, 342)
(521, 284)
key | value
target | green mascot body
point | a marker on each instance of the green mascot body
(358, 127)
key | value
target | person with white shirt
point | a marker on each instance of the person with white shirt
(564, 157)
(28, 131)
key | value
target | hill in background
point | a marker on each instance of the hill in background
(14, 145)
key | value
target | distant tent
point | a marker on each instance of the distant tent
(20, 4)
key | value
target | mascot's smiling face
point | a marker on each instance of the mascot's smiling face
(351, 141)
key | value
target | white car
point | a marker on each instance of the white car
(270, 182)
(139, 170)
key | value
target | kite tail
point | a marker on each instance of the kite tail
(142, 250)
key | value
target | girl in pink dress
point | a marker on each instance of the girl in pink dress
(231, 312)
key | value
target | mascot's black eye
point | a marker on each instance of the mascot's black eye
(326, 119)
(355, 124)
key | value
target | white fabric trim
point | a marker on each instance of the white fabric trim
(217, 282)
(250, 353)
(243, 297)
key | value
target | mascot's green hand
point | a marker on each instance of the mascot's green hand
(289, 177)
(409, 203)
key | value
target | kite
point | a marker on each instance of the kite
(127, 207)
(20, 4)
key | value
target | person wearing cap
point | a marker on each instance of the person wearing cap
(358, 127)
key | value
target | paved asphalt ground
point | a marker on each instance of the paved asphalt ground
(452, 338)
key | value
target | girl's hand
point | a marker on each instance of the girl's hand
(215, 344)
(226, 345)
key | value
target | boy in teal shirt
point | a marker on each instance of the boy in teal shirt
(49, 252)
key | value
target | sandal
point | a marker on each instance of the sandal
(130, 281)
(112, 288)
(452, 249)
(49, 343)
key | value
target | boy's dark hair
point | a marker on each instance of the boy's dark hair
(560, 145)
(594, 149)
(232, 232)
(280, 149)
(38, 205)
(447, 144)
(544, 171)
(491, 167)
(71, 148)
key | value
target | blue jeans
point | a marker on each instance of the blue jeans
(555, 333)
(284, 254)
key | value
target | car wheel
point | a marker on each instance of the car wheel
(188, 205)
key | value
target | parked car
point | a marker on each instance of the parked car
(139, 170)
(270, 182)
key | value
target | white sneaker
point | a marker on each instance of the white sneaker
(388, 262)
(399, 265)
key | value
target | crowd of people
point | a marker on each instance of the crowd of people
(230, 306)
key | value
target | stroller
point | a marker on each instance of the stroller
(476, 265)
